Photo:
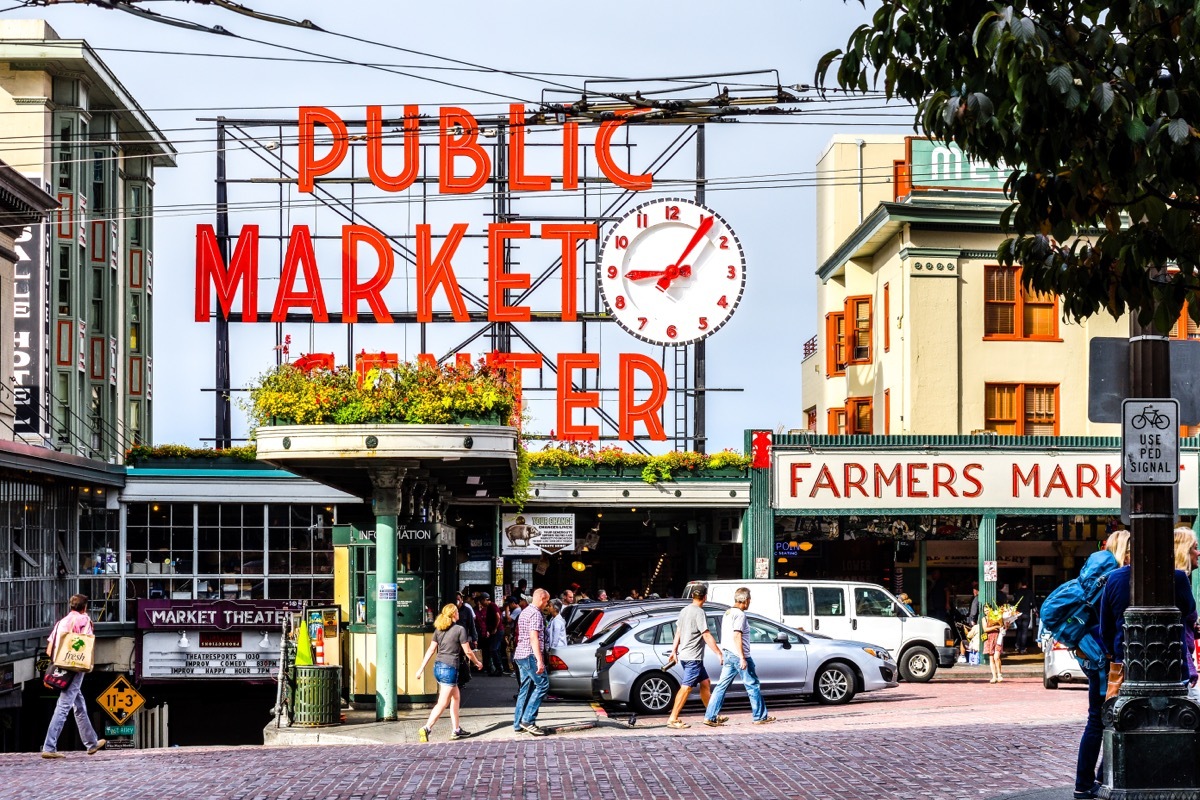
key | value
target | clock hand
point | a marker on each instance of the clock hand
(642, 274)
(664, 282)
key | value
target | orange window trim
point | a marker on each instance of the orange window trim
(859, 329)
(854, 407)
(887, 318)
(1021, 417)
(1018, 304)
(836, 426)
(835, 345)
(887, 412)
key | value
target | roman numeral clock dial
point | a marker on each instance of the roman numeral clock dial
(672, 272)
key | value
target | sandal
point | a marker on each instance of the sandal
(678, 724)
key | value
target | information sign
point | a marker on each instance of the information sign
(386, 592)
(120, 700)
(989, 571)
(119, 730)
(1150, 442)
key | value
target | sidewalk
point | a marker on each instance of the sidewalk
(487, 713)
(1013, 666)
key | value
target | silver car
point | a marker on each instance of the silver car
(1061, 665)
(631, 663)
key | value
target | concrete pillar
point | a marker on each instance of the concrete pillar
(386, 483)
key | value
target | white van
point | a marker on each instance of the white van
(849, 610)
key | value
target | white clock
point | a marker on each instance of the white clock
(672, 272)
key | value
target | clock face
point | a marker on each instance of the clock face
(672, 272)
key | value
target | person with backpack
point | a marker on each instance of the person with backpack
(1071, 614)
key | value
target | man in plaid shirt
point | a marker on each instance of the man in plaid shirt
(531, 634)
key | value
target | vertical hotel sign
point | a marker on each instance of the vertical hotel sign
(29, 330)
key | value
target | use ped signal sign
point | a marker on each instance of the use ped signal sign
(1150, 442)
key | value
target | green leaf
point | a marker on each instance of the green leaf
(1179, 131)
(1024, 29)
(979, 104)
(1061, 79)
(1102, 96)
(1135, 129)
(984, 22)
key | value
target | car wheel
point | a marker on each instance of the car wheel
(918, 665)
(1050, 683)
(834, 685)
(653, 693)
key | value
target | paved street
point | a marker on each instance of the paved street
(939, 740)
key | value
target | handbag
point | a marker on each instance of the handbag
(1116, 676)
(56, 678)
(75, 652)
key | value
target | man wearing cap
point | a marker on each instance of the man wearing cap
(691, 636)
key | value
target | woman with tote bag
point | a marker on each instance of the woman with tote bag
(71, 699)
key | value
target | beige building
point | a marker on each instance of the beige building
(82, 371)
(920, 330)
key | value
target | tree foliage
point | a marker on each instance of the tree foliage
(1093, 105)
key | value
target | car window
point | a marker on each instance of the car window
(795, 600)
(616, 633)
(828, 601)
(714, 627)
(870, 602)
(648, 636)
(763, 632)
(666, 633)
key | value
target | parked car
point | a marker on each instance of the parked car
(572, 668)
(631, 663)
(594, 618)
(850, 610)
(1061, 665)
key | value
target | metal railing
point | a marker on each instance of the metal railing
(810, 348)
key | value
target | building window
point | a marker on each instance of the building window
(859, 416)
(887, 319)
(837, 421)
(835, 344)
(1013, 312)
(810, 419)
(1018, 409)
(1186, 328)
(136, 213)
(858, 311)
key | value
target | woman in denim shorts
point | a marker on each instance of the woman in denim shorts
(449, 642)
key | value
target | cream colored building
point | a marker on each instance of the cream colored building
(920, 330)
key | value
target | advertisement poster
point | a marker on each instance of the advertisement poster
(533, 534)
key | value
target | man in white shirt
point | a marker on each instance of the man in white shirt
(556, 627)
(735, 646)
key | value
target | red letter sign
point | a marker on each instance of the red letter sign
(412, 149)
(431, 272)
(518, 181)
(647, 412)
(498, 280)
(300, 251)
(462, 143)
(609, 167)
(243, 270)
(571, 236)
(569, 399)
(310, 165)
(352, 290)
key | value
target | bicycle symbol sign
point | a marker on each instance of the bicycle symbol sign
(1150, 442)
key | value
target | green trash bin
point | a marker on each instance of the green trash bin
(317, 699)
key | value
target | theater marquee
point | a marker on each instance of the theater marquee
(1015, 482)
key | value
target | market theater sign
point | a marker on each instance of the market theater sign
(463, 167)
(847, 481)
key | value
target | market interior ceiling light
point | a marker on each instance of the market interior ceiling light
(578, 566)
(806, 546)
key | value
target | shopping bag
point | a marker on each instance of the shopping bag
(75, 652)
(56, 678)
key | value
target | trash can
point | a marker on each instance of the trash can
(317, 699)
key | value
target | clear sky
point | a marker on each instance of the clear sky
(758, 352)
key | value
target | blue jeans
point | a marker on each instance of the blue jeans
(71, 699)
(1093, 732)
(445, 674)
(533, 690)
(730, 669)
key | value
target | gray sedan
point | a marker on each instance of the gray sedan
(631, 663)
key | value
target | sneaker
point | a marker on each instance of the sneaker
(533, 730)
(714, 723)
(423, 735)
(1087, 794)
(766, 720)
(97, 747)
(52, 754)
(460, 734)
(722, 719)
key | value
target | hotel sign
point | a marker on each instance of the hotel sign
(845, 482)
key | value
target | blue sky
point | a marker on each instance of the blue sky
(758, 352)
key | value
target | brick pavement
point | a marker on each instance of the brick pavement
(743, 763)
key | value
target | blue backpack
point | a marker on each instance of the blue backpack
(1070, 613)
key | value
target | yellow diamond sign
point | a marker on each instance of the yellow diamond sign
(121, 700)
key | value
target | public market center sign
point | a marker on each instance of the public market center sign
(463, 167)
